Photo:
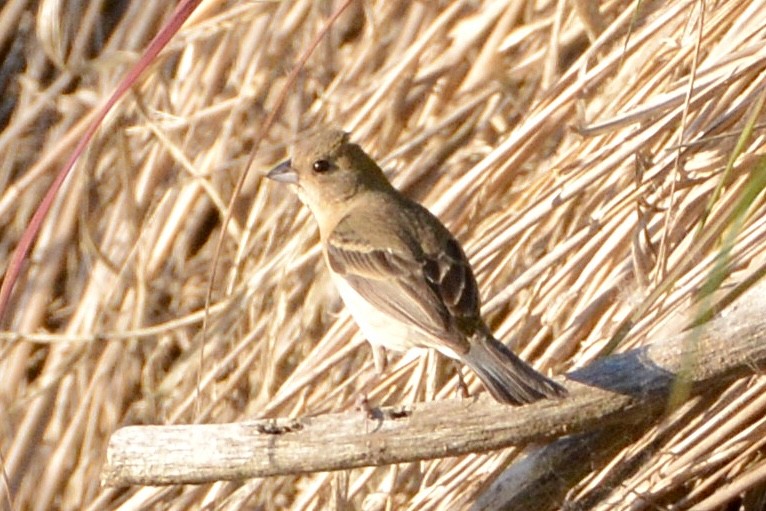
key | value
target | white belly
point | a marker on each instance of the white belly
(379, 328)
(383, 330)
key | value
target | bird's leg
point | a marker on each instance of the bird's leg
(462, 388)
(363, 405)
(379, 358)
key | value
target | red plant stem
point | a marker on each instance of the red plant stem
(179, 16)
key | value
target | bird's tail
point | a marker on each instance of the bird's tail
(508, 378)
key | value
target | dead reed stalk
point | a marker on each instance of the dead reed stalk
(601, 163)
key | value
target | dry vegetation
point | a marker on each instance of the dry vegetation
(594, 158)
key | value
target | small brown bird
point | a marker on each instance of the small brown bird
(403, 276)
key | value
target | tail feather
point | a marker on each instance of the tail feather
(508, 378)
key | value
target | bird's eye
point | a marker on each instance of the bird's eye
(321, 166)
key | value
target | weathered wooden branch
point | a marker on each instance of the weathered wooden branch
(622, 389)
(542, 480)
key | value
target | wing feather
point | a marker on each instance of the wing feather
(430, 286)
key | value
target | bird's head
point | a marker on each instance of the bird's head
(329, 171)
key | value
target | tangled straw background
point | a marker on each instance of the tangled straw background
(593, 157)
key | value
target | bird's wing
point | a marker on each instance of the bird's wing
(449, 274)
(434, 292)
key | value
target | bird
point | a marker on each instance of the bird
(402, 275)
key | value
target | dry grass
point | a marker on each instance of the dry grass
(596, 184)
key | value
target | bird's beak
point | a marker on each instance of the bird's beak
(284, 173)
